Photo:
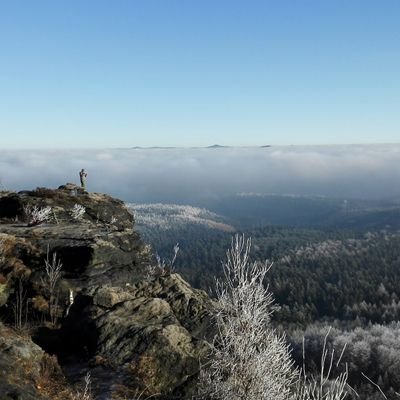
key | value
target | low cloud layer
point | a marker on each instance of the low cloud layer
(193, 176)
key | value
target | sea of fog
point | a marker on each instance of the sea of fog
(197, 175)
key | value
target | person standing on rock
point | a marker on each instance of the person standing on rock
(82, 177)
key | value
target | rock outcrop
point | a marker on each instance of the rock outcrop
(136, 332)
(99, 248)
(150, 337)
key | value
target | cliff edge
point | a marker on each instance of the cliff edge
(76, 279)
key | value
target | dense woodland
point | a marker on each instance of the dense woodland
(316, 274)
(371, 353)
(320, 277)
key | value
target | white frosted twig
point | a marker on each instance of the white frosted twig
(53, 270)
(375, 384)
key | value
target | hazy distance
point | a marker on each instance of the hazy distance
(198, 175)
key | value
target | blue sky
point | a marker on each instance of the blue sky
(194, 73)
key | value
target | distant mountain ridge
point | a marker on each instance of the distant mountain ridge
(214, 146)
(217, 146)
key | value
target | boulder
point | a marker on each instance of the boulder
(27, 372)
(152, 335)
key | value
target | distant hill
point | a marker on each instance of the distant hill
(153, 147)
(217, 146)
(173, 216)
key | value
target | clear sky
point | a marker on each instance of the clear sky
(194, 73)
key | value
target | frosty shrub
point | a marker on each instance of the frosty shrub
(248, 360)
(77, 212)
(36, 216)
(20, 306)
(322, 387)
(85, 392)
(163, 266)
(53, 268)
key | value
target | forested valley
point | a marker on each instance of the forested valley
(321, 277)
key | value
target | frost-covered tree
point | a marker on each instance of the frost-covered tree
(249, 360)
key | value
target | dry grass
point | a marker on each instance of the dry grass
(53, 385)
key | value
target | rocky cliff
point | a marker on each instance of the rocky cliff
(99, 306)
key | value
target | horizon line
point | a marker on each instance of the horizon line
(210, 147)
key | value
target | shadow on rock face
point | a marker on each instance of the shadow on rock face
(75, 260)
(10, 206)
